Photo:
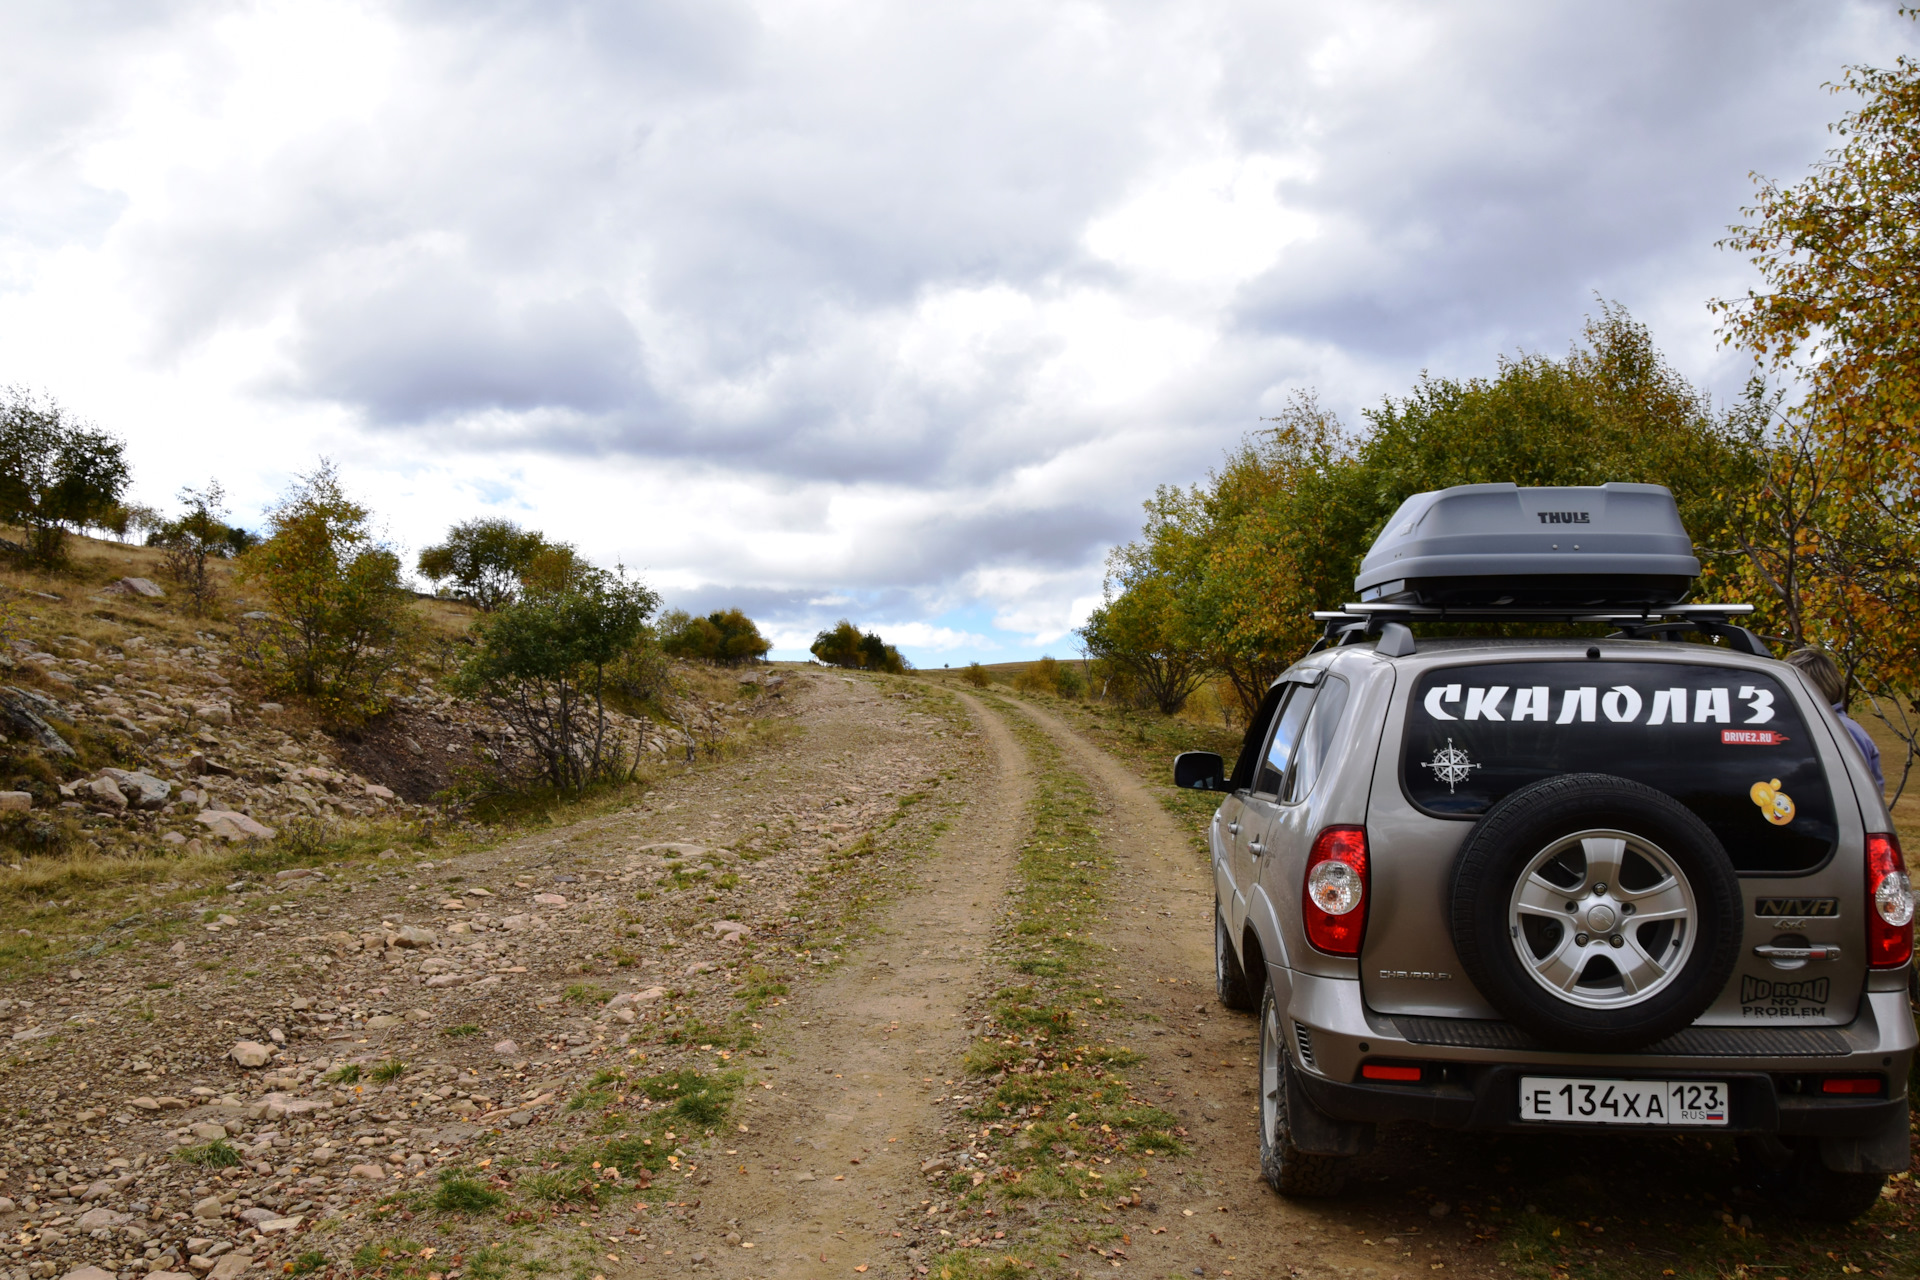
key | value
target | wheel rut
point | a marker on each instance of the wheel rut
(1216, 1212)
(826, 1178)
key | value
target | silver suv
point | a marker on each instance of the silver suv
(1546, 884)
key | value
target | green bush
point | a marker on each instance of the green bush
(1050, 675)
(195, 536)
(542, 664)
(335, 627)
(976, 675)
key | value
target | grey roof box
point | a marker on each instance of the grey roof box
(1475, 545)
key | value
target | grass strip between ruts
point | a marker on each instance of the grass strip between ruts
(1058, 1124)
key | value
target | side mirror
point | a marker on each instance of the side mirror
(1200, 771)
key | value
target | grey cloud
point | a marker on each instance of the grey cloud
(1537, 161)
(442, 341)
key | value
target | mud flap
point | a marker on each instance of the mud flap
(1316, 1133)
(1884, 1152)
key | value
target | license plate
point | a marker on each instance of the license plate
(1646, 1102)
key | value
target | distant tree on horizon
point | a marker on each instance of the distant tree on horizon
(484, 559)
(845, 645)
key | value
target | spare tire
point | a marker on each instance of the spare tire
(1596, 912)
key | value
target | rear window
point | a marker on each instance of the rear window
(1730, 745)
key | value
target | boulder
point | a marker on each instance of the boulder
(412, 935)
(231, 1266)
(87, 1273)
(145, 587)
(379, 792)
(15, 801)
(250, 1053)
(232, 826)
(94, 1219)
(142, 790)
(104, 791)
(214, 712)
(22, 714)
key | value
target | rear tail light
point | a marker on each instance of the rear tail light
(1889, 904)
(1334, 897)
(1851, 1084)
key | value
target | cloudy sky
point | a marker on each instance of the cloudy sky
(827, 307)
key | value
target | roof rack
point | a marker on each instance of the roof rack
(1357, 621)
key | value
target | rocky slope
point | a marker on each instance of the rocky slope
(282, 1073)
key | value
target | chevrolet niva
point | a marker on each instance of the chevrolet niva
(1543, 885)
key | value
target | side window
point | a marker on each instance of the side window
(1247, 766)
(1317, 737)
(1284, 740)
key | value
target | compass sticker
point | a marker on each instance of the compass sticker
(1451, 765)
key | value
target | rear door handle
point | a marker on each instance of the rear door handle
(1811, 952)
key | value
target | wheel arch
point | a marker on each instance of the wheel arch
(1262, 935)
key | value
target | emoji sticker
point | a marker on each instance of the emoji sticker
(1775, 805)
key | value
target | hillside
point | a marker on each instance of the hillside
(130, 729)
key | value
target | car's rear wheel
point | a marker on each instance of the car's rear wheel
(1789, 1173)
(1598, 913)
(1287, 1169)
(1229, 976)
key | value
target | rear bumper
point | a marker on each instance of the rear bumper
(1471, 1070)
(1488, 1099)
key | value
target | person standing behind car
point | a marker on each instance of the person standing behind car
(1824, 672)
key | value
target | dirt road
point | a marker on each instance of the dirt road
(727, 1032)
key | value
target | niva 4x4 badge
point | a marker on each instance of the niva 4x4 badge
(1712, 738)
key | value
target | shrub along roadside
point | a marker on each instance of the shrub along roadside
(1061, 1121)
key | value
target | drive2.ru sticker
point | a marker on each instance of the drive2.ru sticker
(1752, 737)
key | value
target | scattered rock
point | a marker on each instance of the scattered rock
(250, 1053)
(22, 711)
(104, 791)
(367, 1173)
(231, 1266)
(550, 899)
(142, 790)
(87, 1273)
(412, 935)
(229, 825)
(506, 1049)
(146, 587)
(15, 801)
